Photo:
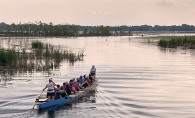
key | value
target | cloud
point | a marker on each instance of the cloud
(169, 2)
(173, 3)
(99, 12)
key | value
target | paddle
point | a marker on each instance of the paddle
(36, 101)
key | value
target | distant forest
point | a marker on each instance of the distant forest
(49, 29)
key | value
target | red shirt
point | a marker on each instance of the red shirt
(76, 87)
(64, 87)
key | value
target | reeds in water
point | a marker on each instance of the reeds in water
(42, 57)
(173, 42)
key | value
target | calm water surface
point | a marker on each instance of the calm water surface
(136, 79)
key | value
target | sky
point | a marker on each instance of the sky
(99, 12)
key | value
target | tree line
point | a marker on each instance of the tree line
(125, 28)
(183, 27)
(49, 29)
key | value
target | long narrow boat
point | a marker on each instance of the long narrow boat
(41, 101)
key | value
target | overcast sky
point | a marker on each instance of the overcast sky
(99, 12)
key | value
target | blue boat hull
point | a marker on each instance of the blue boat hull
(67, 100)
(55, 102)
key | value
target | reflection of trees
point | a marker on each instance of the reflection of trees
(4, 78)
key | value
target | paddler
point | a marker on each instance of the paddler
(50, 90)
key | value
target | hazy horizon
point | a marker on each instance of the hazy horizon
(94, 12)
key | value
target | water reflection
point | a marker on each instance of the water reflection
(169, 50)
(51, 114)
(135, 80)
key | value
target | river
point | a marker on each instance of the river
(136, 79)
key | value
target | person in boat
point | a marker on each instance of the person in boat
(79, 83)
(50, 90)
(67, 88)
(62, 92)
(81, 79)
(57, 94)
(86, 84)
(75, 85)
(71, 88)
(93, 71)
(88, 80)
(72, 81)
(84, 76)
(58, 87)
(64, 85)
(91, 78)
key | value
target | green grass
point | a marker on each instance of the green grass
(173, 42)
(7, 57)
(40, 58)
(37, 44)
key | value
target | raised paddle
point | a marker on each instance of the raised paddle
(36, 100)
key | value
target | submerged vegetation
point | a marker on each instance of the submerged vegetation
(174, 41)
(40, 57)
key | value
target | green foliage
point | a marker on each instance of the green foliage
(40, 29)
(42, 56)
(44, 29)
(97, 31)
(37, 44)
(8, 57)
(163, 43)
(173, 42)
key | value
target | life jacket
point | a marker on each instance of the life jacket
(50, 87)
(93, 70)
